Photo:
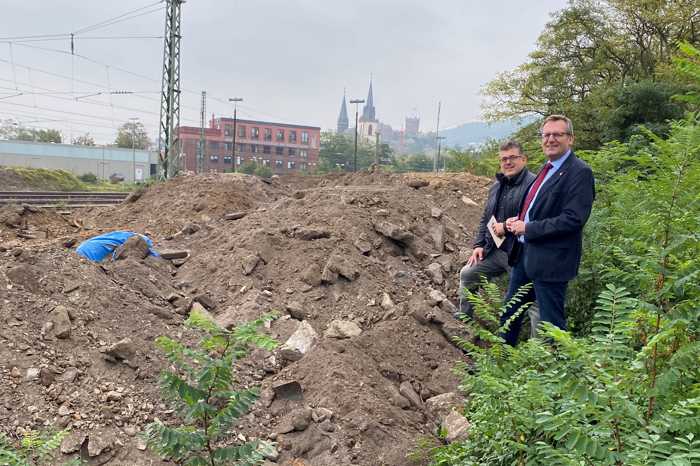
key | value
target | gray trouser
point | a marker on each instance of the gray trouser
(492, 266)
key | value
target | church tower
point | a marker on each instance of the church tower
(343, 122)
(368, 126)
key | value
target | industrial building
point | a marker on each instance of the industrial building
(285, 148)
(102, 161)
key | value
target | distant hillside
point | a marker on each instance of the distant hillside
(478, 132)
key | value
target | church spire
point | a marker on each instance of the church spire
(343, 122)
(368, 111)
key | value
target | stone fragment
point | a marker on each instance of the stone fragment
(296, 310)
(440, 406)
(32, 374)
(435, 297)
(61, 322)
(288, 390)
(437, 234)
(249, 263)
(311, 275)
(342, 329)
(97, 444)
(70, 286)
(397, 399)
(190, 229)
(301, 418)
(321, 414)
(46, 376)
(386, 303)
(206, 301)
(69, 375)
(393, 231)
(122, 350)
(64, 410)
(328, 275)
(435, 212)
(341, 266)
(469, 202)
(447, 307)
(135, 247)
(310, 234)
(434, 271)
(235, 215)
(174, 254)
(456, 426)
(179, 262)
(300, 343)
(417, 183)
(113, 396)
(364, 246)
(407, 391)
(72, 442)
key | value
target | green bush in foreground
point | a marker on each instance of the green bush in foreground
(35, 449)
(200, 385)
(606, 399)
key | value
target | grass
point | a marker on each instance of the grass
(62, 180)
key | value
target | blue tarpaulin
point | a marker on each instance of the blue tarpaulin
(99, 247)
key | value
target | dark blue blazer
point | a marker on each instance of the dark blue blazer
(557, 216)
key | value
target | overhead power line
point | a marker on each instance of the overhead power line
(120, 18)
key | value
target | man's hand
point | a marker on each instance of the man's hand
(476, 257)
(517, 227)
(500, 229)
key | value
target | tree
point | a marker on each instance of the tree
(132, 134)
(337, 153)
(48, 135)
(588, 48)
(10, 129)
(84, 140)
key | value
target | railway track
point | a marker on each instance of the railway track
(60, 199)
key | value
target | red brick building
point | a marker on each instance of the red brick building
(285, 148)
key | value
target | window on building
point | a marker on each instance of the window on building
(228, 130)
(278, 164)
(292, 152)
(279, 136)
(303, 153)
(369, 130)
(241, 131)
(266, 163)
(241, 148)
(227, 146)
(214, 158)
(267, 134)
(303, 166)
(238, 160)
(293, 137)
(279, 150)
(214, 146)
(304, 137)
(253, 148)
(267, 149)
(291, 165)
(254, 133)
(227, 159)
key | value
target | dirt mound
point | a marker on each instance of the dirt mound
(362, 269)
(38, 179)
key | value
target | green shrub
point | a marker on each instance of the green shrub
(263, 171)
(248, 167)
(35, 449)
(88, 178)
(200, 386)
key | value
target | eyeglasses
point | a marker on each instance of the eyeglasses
(546, 136)
(509, 159)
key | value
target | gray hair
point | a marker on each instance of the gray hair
(569, 124)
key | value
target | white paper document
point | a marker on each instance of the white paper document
(491, 227)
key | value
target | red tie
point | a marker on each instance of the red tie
(533, 190)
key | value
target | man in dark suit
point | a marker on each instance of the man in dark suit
(548, 227)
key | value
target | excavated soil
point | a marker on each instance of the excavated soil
(377, 255)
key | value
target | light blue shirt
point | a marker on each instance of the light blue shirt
(556, 165)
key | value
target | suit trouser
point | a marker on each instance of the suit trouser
(493, 265)
(549, 296)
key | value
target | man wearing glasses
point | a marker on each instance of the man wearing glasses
(548, 228)
(488, 258)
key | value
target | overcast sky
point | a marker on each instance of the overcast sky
(289, 60)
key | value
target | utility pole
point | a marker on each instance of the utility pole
(376, 148)
(437, 136)
(235, 101)
(133, 148)
(168, 138)
(356, 102)
(202, 141)
(439, 140)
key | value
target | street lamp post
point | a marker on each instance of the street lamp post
(133, 148)
(356, 102)
(235, 101)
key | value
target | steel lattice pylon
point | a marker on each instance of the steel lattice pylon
(168, 138)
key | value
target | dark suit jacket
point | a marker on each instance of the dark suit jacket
(557, 216)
